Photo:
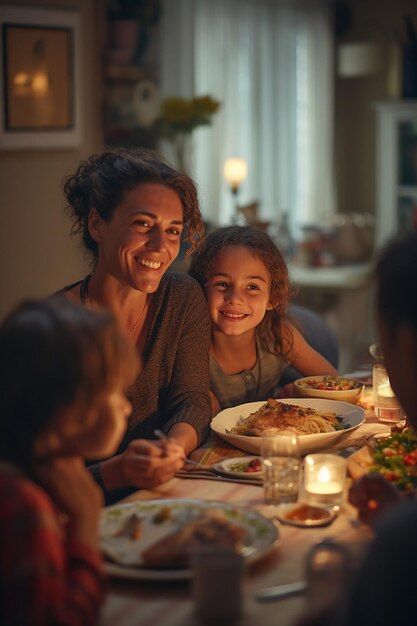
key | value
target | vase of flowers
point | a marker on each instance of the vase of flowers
(177, 120)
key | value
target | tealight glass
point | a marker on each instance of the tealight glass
(386, 406)
(324, 479)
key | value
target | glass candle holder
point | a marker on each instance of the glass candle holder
(324, 479)
(386, 406)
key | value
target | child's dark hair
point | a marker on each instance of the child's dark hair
(101, 181)
(54, 354)
(396, 273)
(262, 246)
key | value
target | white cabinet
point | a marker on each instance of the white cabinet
(396, 173)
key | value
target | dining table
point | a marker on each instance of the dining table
(132, 602)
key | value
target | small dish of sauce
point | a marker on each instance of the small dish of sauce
(302, 514)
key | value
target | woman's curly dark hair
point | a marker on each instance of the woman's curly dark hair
(101, 181)
(270, 330)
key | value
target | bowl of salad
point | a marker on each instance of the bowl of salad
(393, 456)
(329, 387)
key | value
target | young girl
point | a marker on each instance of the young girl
(64, 371)
(246, 283)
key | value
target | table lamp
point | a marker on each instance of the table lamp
(235, 171)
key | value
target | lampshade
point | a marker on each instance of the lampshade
(235, 171)
(358, 59)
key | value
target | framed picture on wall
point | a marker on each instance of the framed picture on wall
(39, 78)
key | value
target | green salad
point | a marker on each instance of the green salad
(396, 459)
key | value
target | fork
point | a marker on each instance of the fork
(158, 433)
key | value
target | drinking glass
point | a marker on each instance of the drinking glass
(217, 584)
(386, 406)
(281, 462)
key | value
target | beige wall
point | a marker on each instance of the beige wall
(373, 20)
(37, 255)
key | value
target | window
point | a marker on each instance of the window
(269, 62)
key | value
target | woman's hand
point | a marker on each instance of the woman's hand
(148, 464)
(372, 494)
(76, 494)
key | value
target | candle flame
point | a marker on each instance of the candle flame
(324, 474)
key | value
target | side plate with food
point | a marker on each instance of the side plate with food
(302, 415)
(242, 466)
(153, 540)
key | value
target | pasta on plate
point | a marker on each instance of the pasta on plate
(284, 417)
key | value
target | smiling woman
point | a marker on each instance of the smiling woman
(131, 209)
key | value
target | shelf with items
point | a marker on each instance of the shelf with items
(396, 175)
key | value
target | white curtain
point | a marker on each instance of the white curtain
(269, 63)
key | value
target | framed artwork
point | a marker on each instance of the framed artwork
(39, 78)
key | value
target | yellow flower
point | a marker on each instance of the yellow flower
(204, 106)
(181, 115)
(177, 110)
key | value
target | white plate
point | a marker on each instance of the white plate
(224, 467)
(225, 420)
(283, 509)
(262, 534)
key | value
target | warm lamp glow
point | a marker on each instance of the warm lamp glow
(21, 79)
(235, 172)
(24, 83)
(40, 83)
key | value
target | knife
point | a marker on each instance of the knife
(280, 591)
(208, 475)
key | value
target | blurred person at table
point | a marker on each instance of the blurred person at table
(383, 591)
(397, 326)
(245, 279)
(64, 373)
(132, 209)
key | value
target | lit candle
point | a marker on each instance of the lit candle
(325, 476)
(386, 406)
(324, 484)
(386, 391)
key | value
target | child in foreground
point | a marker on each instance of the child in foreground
(64, 371)
(245, 280)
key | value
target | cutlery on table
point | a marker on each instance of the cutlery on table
(205, 471)
(280, 591)
(212, 475)
(158, 433)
